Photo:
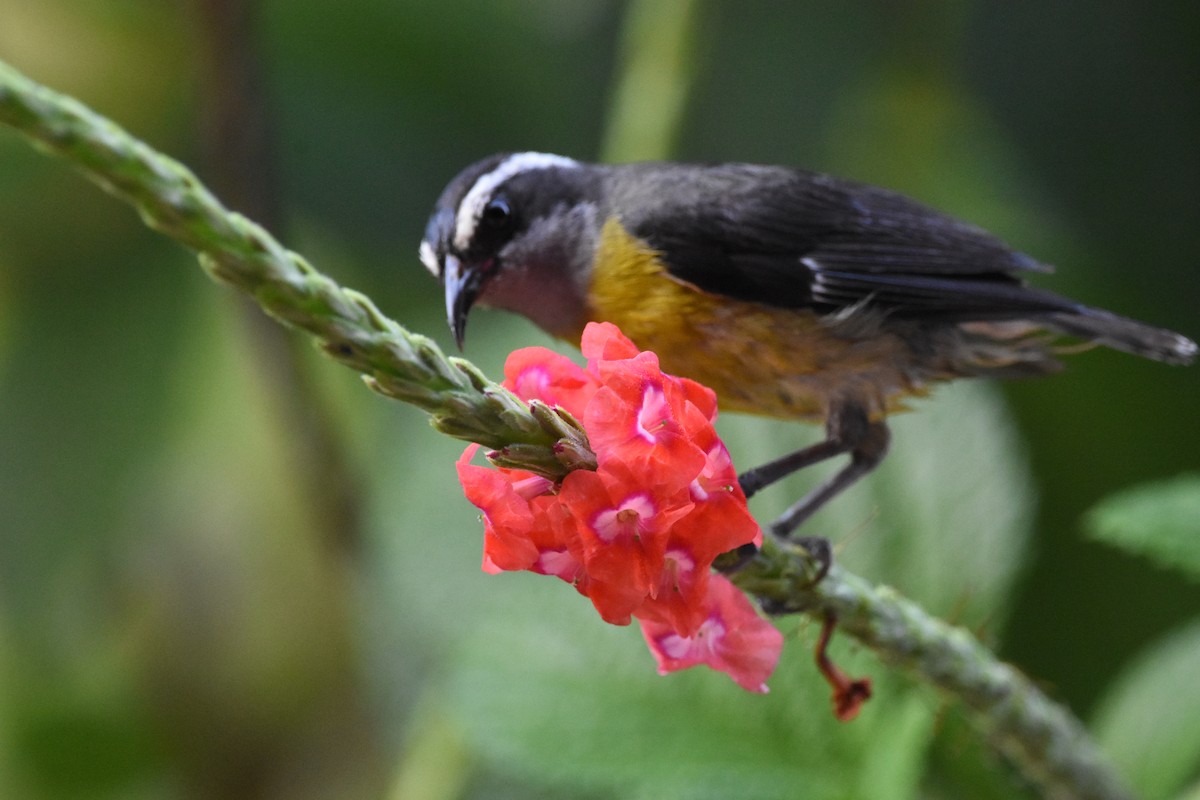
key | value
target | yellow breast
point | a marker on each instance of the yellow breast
(758, 359)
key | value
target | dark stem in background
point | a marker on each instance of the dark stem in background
(239, 149)
(239, 146)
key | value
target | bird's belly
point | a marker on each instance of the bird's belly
(775, 362)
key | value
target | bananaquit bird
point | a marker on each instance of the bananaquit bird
(792, 294)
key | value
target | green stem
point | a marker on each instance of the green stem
(234, 250)
(1042, 739)
(653, 81)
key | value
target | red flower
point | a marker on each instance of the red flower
(679, 598)
(623, 528)
(603, 341)
(535, 373)
(507, 516)
(637, 418)
(733, 639)
(638, 535)
(719, 496)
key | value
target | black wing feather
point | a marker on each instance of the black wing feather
(926, 296)
(798, 239)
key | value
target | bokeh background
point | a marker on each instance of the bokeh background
(227, 570)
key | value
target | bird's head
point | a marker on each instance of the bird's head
(516, 231)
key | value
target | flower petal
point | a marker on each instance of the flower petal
(732, 639)
(535, 373)
(604, 341)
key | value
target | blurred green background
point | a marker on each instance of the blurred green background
(227, 570)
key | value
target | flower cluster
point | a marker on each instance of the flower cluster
(637, 535)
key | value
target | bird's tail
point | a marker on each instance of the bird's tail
(1122, 333)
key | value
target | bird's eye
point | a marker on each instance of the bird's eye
(497, 213)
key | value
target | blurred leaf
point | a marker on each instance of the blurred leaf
(653, 87)
(435, 764)
(73, 747)
(963, 763)
(1192, 793)
(572, 701)
(1160, 521)
(1149, 721)
(7, 314)
(129, 58)
(954, 502)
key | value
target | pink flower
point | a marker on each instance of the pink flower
(732, 639)
(623, 529)
(507, 516)
(603, 341)
(638, 535)
(535, 373)
(637, 418)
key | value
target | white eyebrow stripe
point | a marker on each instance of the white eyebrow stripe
(471, 207)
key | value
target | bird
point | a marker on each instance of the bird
(792, 294)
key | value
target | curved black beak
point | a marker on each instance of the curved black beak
(462, 283)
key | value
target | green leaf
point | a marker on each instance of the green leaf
(1192, 793)
(574, 702)
(1149, 721)
(1160, 521)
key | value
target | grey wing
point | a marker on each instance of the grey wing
(798, 239)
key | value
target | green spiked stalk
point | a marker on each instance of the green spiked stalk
(234, 250)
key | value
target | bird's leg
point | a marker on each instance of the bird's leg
(843, 431)
(847, 430)
(867, 443)
(758, 478)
